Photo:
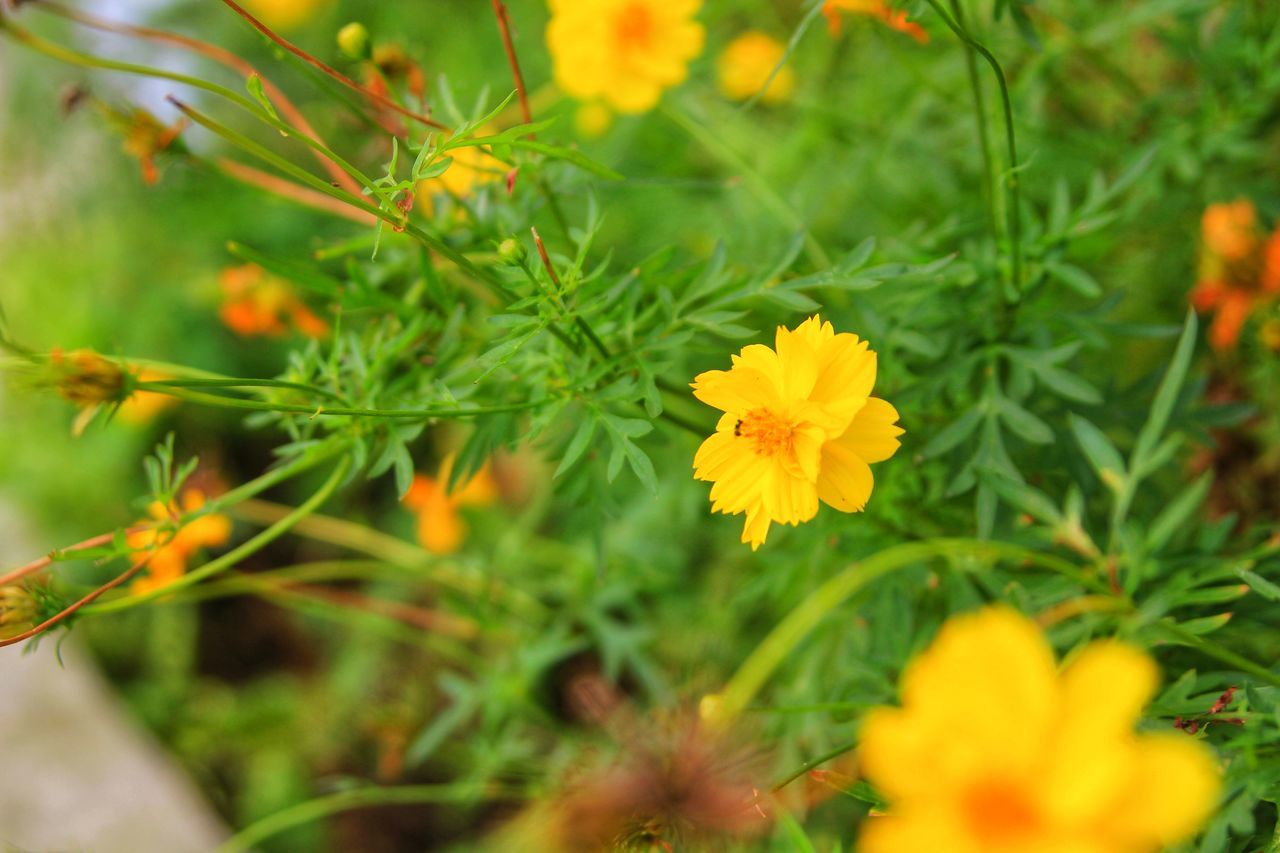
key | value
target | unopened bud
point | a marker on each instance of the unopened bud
(86, 378)
(354, 41)
(19, 611)
(511, 251)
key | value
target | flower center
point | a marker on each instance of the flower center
(771, 433)
(999, 811)
(634, 25)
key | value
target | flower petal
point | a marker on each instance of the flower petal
(845, 481)
(872, 434)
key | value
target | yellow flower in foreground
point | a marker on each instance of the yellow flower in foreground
(996, 750)
(800, 425)
(440, 526)
(167, 551)
(624, 52)
(745, 65)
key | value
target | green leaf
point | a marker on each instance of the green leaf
(569, 155)
(1027, 498)
(1263, 587)
(1066, 384)
(1175, 516)
(1075, 278)
(1107, 462)
(1022, 422)
(578, 444)
(952, 434)
(1167, 394)
(254, 84)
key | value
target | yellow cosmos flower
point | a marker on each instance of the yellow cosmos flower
(800, 426)
(624, 52)
(745, 65)
(997, 751)
(283, 14)
(167, 552)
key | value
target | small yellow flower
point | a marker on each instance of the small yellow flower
(441, 528)
(995, 749)
(625, 52)
(745, 65)
(283, 14)
(592, 120)
(19, 611)
(167, 551)
(800, 425)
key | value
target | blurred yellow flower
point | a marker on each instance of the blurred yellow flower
(440, 525)
(625, 52)
(143, 406)
(167, 551)
(283, 14)
(745, 65)
(472, 167)
(995, 749)
(800, 425)
(895, 19)
(592, 120)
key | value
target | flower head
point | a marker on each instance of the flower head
(625, 52)
(746, 65)
(440, 525)
(283, 14)
(255, 303)
(166, 550)
(995, 749)
(880, 9)
(799, 426)
(86, 378)
(19, 611)
(1239, 269)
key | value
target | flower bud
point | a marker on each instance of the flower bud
(354, 41)
(19, 611)
(511, 251)
(86, 378)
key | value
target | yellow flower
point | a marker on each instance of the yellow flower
(283, 14)
(745, 65)
(472, 167)
(592, 120)
(624, 52)
(440, 525)
(995, 750)
(167, 551)
(143, 406)
(800, 425)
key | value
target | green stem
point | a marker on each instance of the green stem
(812, 763)
(1015, 192)
(783, 639)
(984, 140)
(341, 411)
(754, 180)
(1223, 654)
(235, 555)
(157, 384)
(322, 807)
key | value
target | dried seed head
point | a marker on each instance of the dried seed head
(19, 611)
(87, 379)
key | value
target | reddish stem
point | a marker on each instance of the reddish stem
(48, 560)
(88, 599)
(504, 25)
(332, 72)
(546, 259)
(288, 189)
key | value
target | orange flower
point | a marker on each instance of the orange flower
(145, 137)
(893, 18)
(441, 528)
(167, 551)
(255, 303)
(1239, 269)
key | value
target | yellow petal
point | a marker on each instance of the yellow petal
(872, 434)
(844, 480)
(1173, 791)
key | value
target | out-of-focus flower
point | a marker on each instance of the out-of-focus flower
(19, 611)
(800, 425)
(746, 64)
(1270, 334)
(86, 378)
(472, 167)
(167, 551)
(592, 119)
(880, 9)
(995, 749)
(1239, 269)
(143, 406)
(624, 52)
(441, 528)
(354, 41)
(284, 14)
(145, 137)
(255, 303)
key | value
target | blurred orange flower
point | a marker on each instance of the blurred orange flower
(441, 528)
(893, 18)
(145, 137)
(167, 551)
(1239, 269)
(255, 303)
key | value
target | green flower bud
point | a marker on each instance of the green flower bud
(354, 41)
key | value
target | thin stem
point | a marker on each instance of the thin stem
(782, 640)
(247, 549)
(984, 141)
(1223, 654)
(810, 764)
(290, 191)
(322, 807)
(1013, 180)
(68, 612)
(504, 26)
(582, 324)
(60, 553)
(331, 72)
(154, 384)
(776, 205)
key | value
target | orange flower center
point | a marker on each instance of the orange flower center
(634, 26)
(771, 433)
(999, 812)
